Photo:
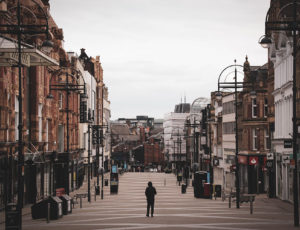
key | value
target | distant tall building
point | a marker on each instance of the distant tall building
(175, 146)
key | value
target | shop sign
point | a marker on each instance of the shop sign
(216, 162)
(292, 156)
(288, 143)
(243, 160)
(253, 160)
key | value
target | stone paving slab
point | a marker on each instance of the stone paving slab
(173, 210)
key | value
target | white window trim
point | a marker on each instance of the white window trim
(254, 137)
(16, 118)
(266, 136)
(254, 106)
(60, 100)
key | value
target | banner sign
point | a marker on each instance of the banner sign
(83, 110)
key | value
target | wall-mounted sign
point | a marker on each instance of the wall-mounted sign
(253, 160)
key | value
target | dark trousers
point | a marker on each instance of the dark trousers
(150, 204)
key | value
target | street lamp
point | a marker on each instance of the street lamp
(68, 80)
(19, 26)
(233, 85)
(195, 125)
(286, 19)
(209, 122)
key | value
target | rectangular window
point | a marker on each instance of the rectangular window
(266, 107)
(229, 128)
(267, 139)
(60, 100)
(47, 134)
(40, 108)
(228, 107)
(254, 108)
(254, 139)
(60, 138)
(16, 118)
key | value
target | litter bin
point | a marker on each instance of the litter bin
(97, 189)
(218, 190)
(66, 204)
(39, 209)
(200, 178)
(106, 182)
(55, 207)
(179, 177)
(183, 188)
(114, 185)
(12, 217)
(207, 190)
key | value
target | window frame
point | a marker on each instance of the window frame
(254, 139)
(254, 108)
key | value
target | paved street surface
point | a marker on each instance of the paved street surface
(173, 210)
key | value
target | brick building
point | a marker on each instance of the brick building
(255, 138)
(47, 162)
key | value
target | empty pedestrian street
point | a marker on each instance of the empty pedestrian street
(173, 210)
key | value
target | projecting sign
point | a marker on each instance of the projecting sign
(288, 143)
(270, 156)
(269, 164)
(83, 110)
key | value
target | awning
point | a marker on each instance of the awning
(31, 56)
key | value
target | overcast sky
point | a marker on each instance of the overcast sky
(154, 52)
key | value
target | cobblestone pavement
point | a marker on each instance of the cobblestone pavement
(173, 210)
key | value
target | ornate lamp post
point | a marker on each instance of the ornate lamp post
(235, 84)
(286, 19)
(68, 80)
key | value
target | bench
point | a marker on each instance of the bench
(80, 196)
(244, 198)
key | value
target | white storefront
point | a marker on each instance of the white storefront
(282, 58)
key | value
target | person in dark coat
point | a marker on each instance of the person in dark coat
(150, 194)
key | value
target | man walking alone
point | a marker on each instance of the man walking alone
(150, 194)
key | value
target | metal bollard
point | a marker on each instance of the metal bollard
(80, 202)
(230, 201)
(48, 213)
(251, 205)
